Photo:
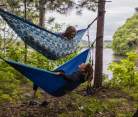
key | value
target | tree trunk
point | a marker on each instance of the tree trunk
(99, 45)
(137, 59)
(25, 45)
(42, 12)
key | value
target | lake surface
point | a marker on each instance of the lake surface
(107, 59)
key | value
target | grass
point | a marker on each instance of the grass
(108, 102)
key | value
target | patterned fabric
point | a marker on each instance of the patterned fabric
(50, 44)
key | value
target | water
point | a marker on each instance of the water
(107, 60)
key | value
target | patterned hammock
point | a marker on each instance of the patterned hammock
(51, 45)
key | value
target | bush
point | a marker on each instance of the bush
(125, 38)
(124, 72)
(9, 88)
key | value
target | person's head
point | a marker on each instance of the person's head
(87, 69)
(70, 32)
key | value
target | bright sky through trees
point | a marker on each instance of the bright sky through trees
(117, 12)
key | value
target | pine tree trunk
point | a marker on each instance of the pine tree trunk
(137, 59)
(42, 12)
(25, 45)
(99, 45)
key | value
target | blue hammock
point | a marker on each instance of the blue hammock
(52, 45)
(50, 82)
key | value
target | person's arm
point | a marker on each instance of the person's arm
(73, 77)
(70, 77)
(59, 73)
(66, 77)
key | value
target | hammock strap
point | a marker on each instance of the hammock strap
(91, 45)
(91, 23)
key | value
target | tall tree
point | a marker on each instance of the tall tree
(25, 16)
(99, 45)
(42, 12)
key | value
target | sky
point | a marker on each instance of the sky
(117, 13)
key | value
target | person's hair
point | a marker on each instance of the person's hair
(89, 72)
(68, 32)
(71, 28)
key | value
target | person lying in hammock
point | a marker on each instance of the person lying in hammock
(84, 73)
(69, 33)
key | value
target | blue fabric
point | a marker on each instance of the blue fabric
(49, 81)
(51, 45)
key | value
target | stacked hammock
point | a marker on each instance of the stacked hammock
(50, 82)
(52, 45)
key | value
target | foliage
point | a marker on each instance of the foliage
(9, 88)
(42, 62)
(14, 49)
(124, 72)
(11, 79)
(94, 106)
(132, 92)
(61, 6)
(125, 38)
(107, 44)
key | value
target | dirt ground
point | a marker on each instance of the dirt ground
(56, 106)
